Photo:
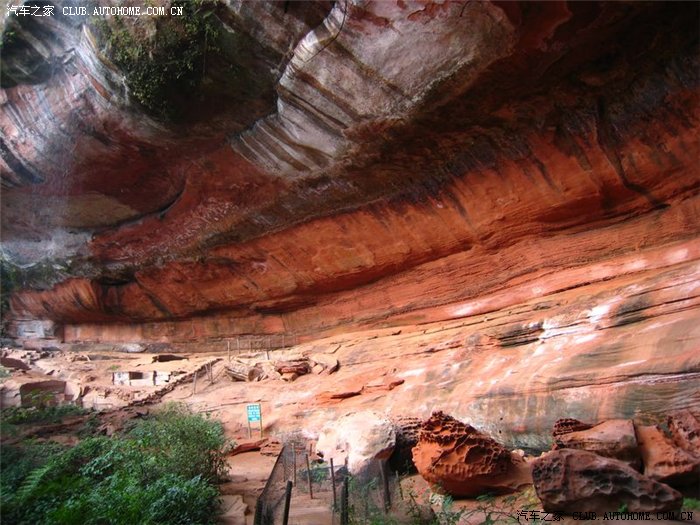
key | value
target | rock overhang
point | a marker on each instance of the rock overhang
(402, 138)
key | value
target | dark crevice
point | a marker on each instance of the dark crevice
(606, 140)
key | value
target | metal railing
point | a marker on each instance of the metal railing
(250, 343)
(361, 496)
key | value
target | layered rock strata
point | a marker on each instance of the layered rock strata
(511, 188)
(370, 168)
(615, 438)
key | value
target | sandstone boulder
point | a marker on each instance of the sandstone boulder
(664, 461)
(328, 363)
(613, 439)
(290, 376)
(685, 429)
(570, 479)
(462, 461)
(362, 437)
(249, 445)
(240, 371)
(407, 429)
(299, 367)
(10, 362)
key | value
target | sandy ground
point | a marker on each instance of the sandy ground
(248, 473)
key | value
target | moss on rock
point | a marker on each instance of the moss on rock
(163, 59)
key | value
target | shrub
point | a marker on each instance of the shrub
(188, 444)
(40, 414)
(162, 471)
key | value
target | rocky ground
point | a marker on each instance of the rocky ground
(301, 388)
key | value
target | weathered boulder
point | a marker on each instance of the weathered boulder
(614, 438)
(290, 376)
(577, 479)
(10, 362)
(249, 445)
(299, 367)
(567, 425)
(362, 437)
(240, 371)
(685, 430)
(328, 363)
(462, 461)
(268, 370)
(664, 461)
(407, 430)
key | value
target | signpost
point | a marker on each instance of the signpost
(254, 415)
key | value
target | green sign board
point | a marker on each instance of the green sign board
(253, 413)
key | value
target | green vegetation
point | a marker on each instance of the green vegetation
(41, 275)
(319, 473)
(428, 508)
(8, 281)
(41, 409)
(9, 35)
(163, 470)
(691, 504)
(163, 59)
(36, 414)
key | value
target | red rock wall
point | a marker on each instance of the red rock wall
(517, 182)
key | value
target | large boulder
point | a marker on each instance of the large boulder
(664, 461)
(613, 439)
(462, 461)
(685, 429)
(361, 437)
(568, 479)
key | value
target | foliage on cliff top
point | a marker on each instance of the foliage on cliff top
(163, 59)
(162, 471)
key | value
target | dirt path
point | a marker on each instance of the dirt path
(249, 472)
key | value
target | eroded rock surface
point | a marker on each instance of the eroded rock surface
(499, 201)
(460, 460)
(685, 430)
(615, 438)
(363, 438)
(567, 425)
(407, 432)
(577, 479)
(666, 462)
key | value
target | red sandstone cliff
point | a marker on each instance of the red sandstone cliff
(377, 164)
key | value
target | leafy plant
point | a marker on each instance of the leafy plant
(691, 504)
(162, 471)
(429, 508)
(163, 64)
(40, 413)
(189, 444)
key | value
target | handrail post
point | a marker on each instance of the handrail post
(335, 503)
(287, 501)
(308, 475)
